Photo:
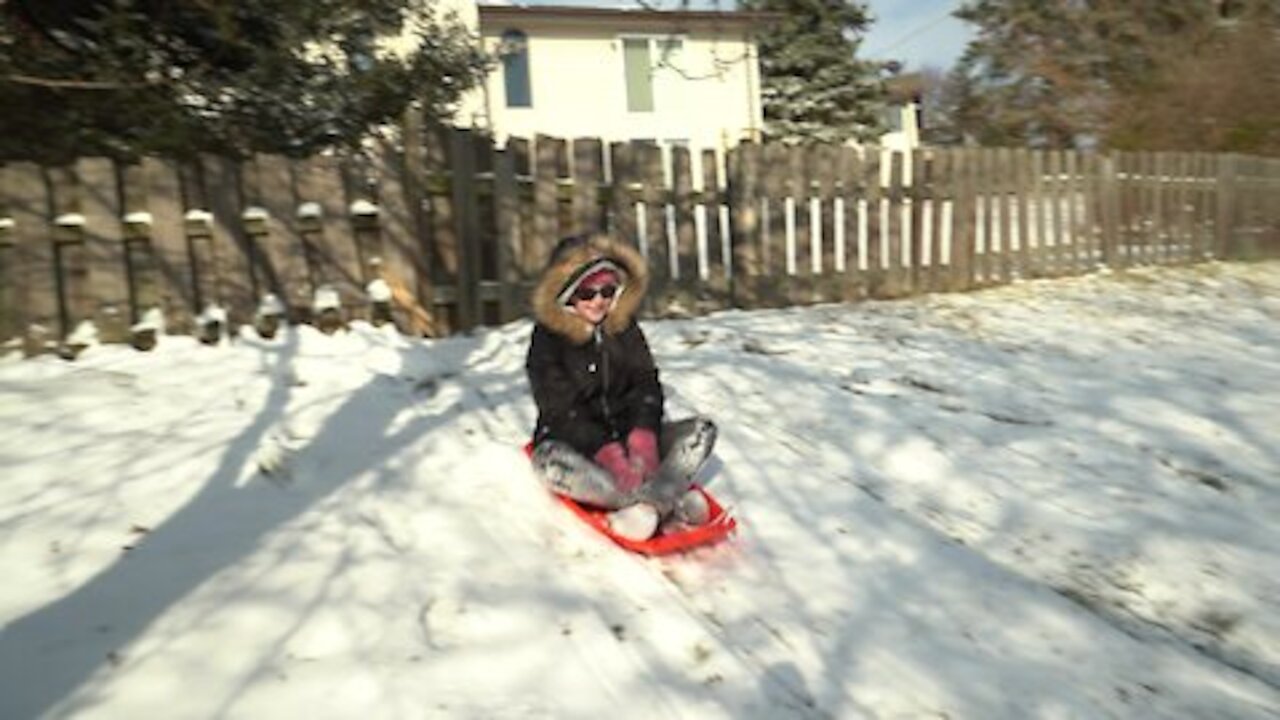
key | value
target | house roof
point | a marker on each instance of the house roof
(629, 18)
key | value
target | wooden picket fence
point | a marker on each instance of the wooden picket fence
(460, 228)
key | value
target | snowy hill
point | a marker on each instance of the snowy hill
(1051, 500)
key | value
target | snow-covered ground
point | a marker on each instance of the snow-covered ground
(1058, 499)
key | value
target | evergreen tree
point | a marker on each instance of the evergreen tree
(814, 86)
(1218, 91)
(1048, 70)
(124, 77)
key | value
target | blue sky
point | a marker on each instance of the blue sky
(917, 32)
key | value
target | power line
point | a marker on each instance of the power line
(913, 33)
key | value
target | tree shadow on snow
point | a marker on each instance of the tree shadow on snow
(50, 656)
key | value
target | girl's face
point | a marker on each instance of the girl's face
(592, 303)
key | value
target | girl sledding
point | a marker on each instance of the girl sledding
(601, 442)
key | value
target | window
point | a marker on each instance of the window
(639, 74)
(515, 68)
(892, 118)
(643, 60)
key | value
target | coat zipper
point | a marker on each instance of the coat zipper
(604, 381)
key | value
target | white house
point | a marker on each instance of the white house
(674, 77)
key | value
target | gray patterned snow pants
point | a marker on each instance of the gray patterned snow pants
(685, 446)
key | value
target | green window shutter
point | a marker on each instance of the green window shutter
(515, 69)
(635, 56)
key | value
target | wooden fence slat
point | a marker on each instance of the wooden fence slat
(715, 288)
(852, 190)
(587, 174)
(286, 266)
(70, 258)
(547, 151)
(104, 248)
(984, 171)
(1003, 221)
(1021, 180)
(160, 186)
(941, 196)
(400, 227)
(27, 204)
(506, 205)
(344, 256)
(824, 163)
(744, 165)
(624, 174)
(686, 251)
(895, 195)
(466, 231)
(773, 264)
(1072, 226)
(919, 194)
(799, 190)
(654, 194)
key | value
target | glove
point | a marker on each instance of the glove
(642, 445)
(613, 458)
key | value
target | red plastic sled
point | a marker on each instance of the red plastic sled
(716, 528)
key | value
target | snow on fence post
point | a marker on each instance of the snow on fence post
(743, 165)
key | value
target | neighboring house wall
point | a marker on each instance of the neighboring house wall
(688, 77)
(903, 121)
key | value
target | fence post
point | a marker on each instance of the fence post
(963, 236)
(744, 233)
(161, 195)
(773, 256)
(1224, 241)
(466, 229)
(587, 172)
(506, 208)
(715, 287)
(851, 190)
(28, 204)
(686, 251)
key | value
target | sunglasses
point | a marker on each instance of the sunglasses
(584, 294)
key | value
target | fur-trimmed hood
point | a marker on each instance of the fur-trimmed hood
(567, 262)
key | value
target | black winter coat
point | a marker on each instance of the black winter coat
(592, 384)
(592, 393)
